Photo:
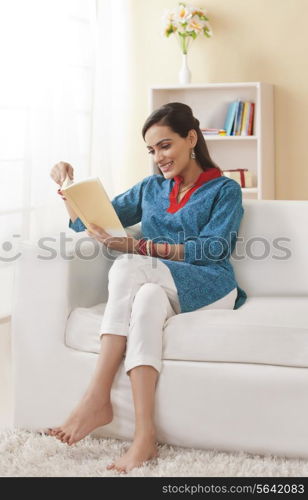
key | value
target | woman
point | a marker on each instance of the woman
(190, 215)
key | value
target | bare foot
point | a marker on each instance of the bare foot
(88, 415)
(141, 450)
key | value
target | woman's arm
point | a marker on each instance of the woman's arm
(131, 245)
(69, 209)
(71, 213)
(175, 252)
(214, 242)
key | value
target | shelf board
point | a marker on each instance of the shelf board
(250, 190)
(230, 137)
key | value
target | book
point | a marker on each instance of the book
(250, 120)
(238, 119)
(248, 117)
(244, 128)
(213, 131)
(235, 117)
(229, 121)
(91, 203)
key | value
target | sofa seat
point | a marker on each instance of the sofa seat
(250, 334)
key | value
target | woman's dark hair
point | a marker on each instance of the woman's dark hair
(179, 117)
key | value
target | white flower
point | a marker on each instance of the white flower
(168, 23)
(186, 22)
(199, 11)
(167, 17)
(182, 14)
(196, 24)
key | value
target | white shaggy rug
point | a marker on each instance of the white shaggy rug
(27, 454)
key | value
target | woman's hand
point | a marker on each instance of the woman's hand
(59, 172)
(119, 243)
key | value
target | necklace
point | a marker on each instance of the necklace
(185, 189)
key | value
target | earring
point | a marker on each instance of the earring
(193, 154)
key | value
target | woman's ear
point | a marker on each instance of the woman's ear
(193, 137)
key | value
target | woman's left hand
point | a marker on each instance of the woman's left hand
(119, 243)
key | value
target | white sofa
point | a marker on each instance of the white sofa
(231, 379)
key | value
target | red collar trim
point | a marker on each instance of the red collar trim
(204, 177)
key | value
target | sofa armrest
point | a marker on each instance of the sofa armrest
(49, 284)
(52, 278)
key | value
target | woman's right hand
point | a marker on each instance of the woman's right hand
(59, 172)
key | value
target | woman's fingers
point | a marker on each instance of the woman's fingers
(70, 172)
(96, 228)
(99, 230)
(60, 171)
(98, 233)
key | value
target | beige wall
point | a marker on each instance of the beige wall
(254, 40)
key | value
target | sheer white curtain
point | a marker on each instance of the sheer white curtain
(65, 94)
(114, 111)
(47, 56)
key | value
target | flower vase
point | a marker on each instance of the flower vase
(184, 74)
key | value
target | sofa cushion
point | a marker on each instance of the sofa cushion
(82, 328)
(270, 257)
(266, 330)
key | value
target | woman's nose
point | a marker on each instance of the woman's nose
(158, 157)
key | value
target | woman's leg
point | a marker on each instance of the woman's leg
(94, 409)
(143, 447)
(127, 274)
(151, 309)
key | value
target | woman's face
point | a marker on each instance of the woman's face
(170, 151)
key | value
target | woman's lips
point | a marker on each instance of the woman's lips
(167, 167)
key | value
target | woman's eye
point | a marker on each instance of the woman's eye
(165, 146)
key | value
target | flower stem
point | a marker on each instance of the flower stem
(184, 43)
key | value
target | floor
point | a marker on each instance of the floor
(5, 375)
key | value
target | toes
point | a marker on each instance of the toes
(71, 440)
(118, 468)
(66, 438)
(60, 435)
(55, 431)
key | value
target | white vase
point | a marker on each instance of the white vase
(184, 74)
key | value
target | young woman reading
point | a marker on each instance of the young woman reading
(190, 216)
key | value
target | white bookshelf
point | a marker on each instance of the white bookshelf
(209, 104)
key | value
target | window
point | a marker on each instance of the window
(47, 57)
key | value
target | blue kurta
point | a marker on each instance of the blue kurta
(207, 225)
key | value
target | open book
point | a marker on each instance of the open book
(91, 203)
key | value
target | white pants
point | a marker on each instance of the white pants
(142, 296)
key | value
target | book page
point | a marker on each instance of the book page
(91, 203)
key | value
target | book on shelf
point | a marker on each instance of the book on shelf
(229, 121)
(239, 118)
(213, 131)
(91, 203)
(250, 120)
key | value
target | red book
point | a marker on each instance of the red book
(250, 119)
